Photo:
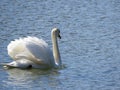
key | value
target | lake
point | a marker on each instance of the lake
(89, 48)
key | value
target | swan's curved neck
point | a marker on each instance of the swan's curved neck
(56, 52)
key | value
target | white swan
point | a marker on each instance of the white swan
(33, 52)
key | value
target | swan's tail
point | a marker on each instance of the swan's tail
(7, 65)
(15, 64)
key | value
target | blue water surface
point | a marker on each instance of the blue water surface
(90, 44)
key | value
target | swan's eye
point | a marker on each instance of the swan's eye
(58, 30)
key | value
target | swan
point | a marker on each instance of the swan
(32, 52)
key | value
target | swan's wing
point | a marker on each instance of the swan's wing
(39, 50)
(31, 48)
(16, 48)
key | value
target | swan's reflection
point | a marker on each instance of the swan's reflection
(32, 78)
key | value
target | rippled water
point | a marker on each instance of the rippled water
(90, 44)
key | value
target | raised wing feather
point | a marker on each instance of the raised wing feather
(31, 48)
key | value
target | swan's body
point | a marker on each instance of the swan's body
(33, 52)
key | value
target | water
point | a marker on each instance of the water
(90, 44)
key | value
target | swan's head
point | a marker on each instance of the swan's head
(56, 31)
